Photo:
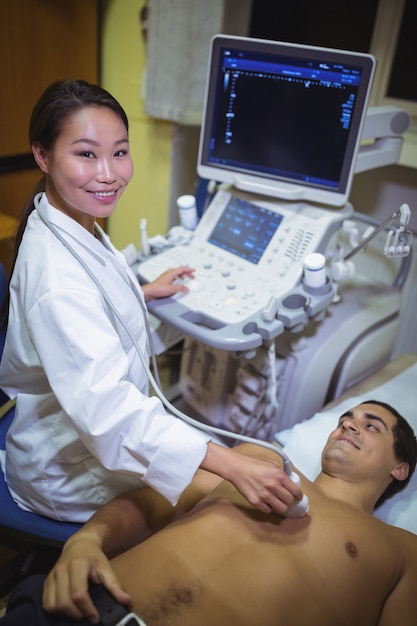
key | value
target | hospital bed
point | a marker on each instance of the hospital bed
(395, 384)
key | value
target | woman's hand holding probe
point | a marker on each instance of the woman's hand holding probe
(169, 283)
(66, 588)
(261, 481)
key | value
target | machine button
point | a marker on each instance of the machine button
(195, 285)
(216, 305)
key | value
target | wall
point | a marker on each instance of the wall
(123, 65)
(379, 193)
(29, 31)
(165, 156)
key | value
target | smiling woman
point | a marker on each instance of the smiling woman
(89, 165)
(84, 408)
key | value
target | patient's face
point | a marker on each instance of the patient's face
(362, 446)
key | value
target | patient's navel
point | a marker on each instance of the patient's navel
(351, 549)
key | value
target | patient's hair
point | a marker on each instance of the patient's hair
(405, 450)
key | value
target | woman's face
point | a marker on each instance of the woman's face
(89, 167)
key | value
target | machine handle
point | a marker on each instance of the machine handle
(246, 335)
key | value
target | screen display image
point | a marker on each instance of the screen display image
(279, 114)
(245, 229)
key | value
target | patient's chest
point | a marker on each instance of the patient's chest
(333, 567)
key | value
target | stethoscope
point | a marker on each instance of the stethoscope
(297, 509)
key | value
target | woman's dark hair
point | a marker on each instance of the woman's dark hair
(405, 450)
(59, 100)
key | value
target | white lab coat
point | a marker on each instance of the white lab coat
(85, 427)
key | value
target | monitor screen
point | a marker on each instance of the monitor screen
(284, 120)
(245, 229)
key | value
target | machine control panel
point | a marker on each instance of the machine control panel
(244, 253)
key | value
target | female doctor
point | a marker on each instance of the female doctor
(86, 428)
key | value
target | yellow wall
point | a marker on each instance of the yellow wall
(123, 62)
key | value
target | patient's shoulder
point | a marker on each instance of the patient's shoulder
(259, 451)
(249, 449)
(403, 540)
(405, 537)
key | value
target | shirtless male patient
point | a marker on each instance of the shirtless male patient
(215, 560)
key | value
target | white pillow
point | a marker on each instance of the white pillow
(304, 443)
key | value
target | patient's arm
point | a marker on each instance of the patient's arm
(120, 524)
(400, 608)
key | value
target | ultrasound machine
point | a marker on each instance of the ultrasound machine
(285, 127)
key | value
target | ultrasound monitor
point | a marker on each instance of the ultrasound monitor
(284, 120)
